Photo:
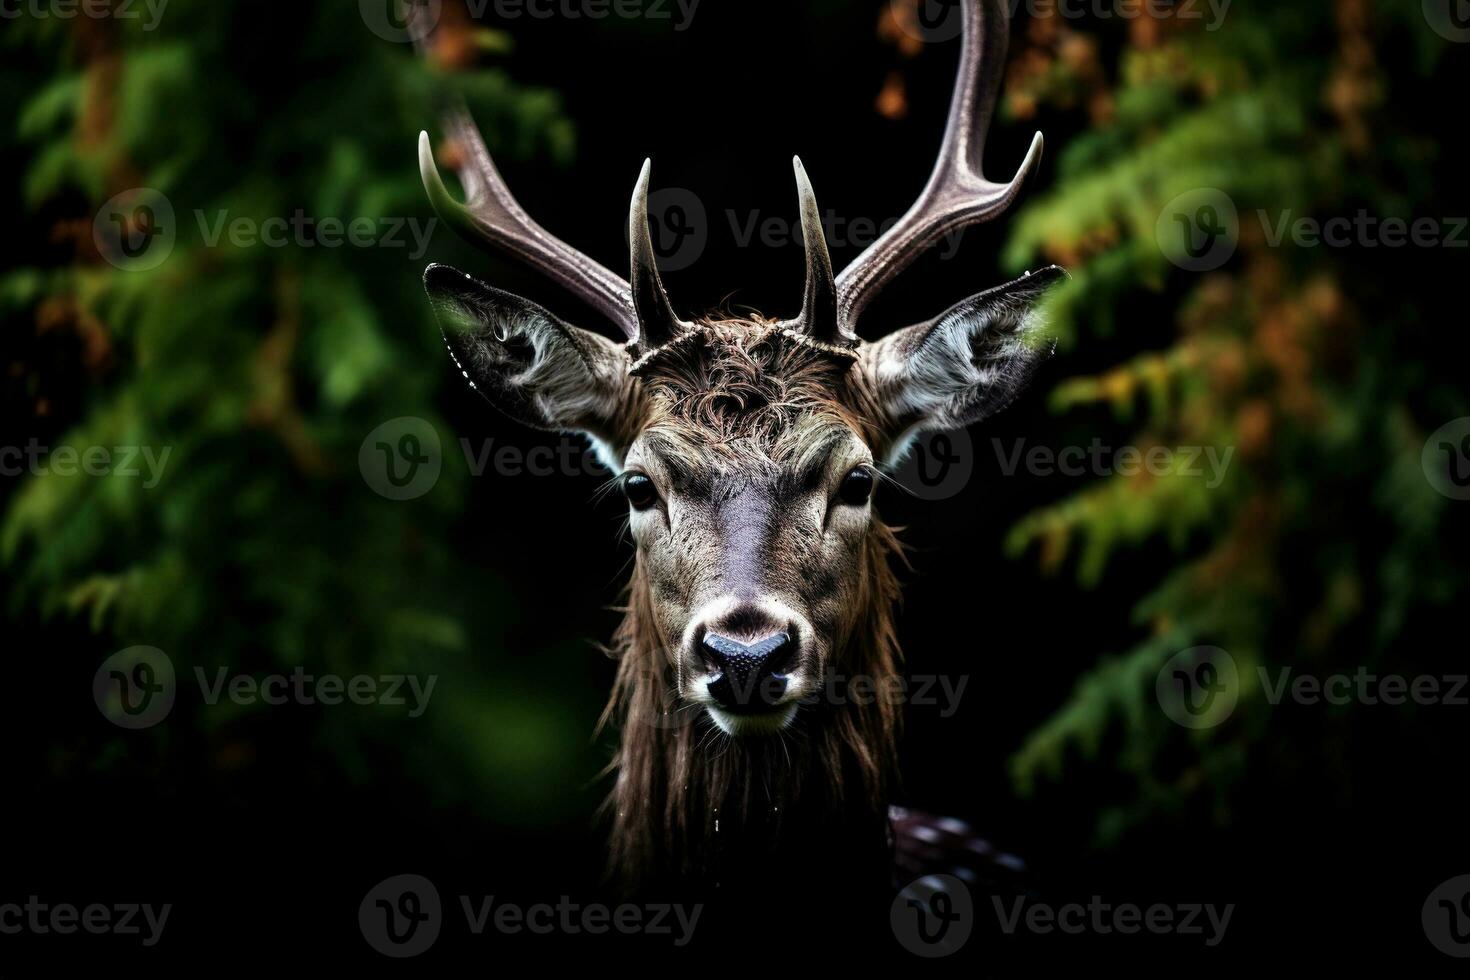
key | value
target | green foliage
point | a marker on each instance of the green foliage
(253, 373)
(1287, 357)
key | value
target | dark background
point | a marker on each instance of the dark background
(1327, 827)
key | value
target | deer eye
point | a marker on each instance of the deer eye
(640, 491)
(856, 488)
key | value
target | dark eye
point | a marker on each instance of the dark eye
(856, 488)
(640, 492)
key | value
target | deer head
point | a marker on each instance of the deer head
(748, 448)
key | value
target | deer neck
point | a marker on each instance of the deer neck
(689, 802)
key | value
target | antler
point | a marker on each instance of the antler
(657, 322)
(958, 195)
(491, 216)
(818, 317)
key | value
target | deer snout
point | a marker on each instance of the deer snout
(748, 676)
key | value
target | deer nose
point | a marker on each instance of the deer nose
(750, 675)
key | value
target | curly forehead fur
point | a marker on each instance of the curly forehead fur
(740, 388)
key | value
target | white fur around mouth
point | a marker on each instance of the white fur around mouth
(767, 723)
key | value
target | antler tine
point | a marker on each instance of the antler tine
(818, 317)
(491, 216)
(957, 195)
(657, 321)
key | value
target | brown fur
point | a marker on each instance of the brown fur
(746, 392)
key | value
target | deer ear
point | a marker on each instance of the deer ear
(531, 365)
(963, 365)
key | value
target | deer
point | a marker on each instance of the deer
(748, 449)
